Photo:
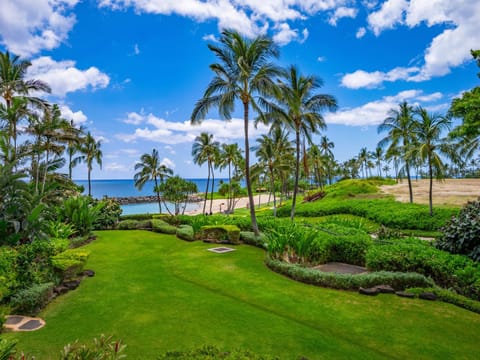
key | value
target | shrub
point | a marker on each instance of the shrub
(161, 226)
(185, 232)
(80, 212)
(397, 280)
(462, 234)
(58, 229)
(208, 352)
(136, 217)
(249, 237)
(59, 245)
(103, 348)
(134, 224)
(70, 262)
(448, 271)
(110, 214)
(220, 233)
(31, 300)
(8, 275)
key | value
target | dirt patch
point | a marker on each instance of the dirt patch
(341, 268)
(455, 192)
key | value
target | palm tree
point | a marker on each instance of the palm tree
(399, 125)
(300, 109)
(12, 116)
(150, 168)
(91, 151)
(428, 128)
(73, 147)
(204, 149)
(244, 73)
(363, 158)
(230, 156)
(326, 147)
(378, 156)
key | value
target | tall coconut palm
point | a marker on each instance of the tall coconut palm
(204, 149)
(326, 148)
(230, 156)
(73, 147)
(12, 116)
(399, 125)
(428, 128)
(244, 73)
(300, 109)
(91, 151)
(378, 156)
(363, 158)
(151, 168)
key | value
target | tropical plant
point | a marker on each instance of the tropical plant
(151, 168)
(91, 152)
(177, 191)
(400, 137)
(244, 73)
(300, 109)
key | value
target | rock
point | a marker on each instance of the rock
(405, 294)
(368, 291)
(385, 289)
(71, 284)
(89, 273)
(428, 296)
(60, 289)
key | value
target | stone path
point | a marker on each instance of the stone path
(23, 323)
(341, 268)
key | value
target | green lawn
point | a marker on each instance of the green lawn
(158, 293)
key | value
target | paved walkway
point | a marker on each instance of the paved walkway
(23, 323)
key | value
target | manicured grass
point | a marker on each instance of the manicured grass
(158, 293)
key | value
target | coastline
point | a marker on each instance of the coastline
(218, 205)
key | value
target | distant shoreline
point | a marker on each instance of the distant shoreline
(127, 200)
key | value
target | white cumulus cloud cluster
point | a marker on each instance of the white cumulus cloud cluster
(462, 33)
(78, 117)
(63, 77)
(159, 130)
(28, 26)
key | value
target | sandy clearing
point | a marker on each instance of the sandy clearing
(219, 204)
(446, 192)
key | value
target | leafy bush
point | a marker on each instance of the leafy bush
(33, 263)
(80, 212)
(397, 280)
(31, 300)
(249, 237)
(8, 275)
(136, 217)
(109, 216)
(59, 245)
(134, 224)
(103, 348)
(70, 262)
(58, 229)
(462, 234)
(208, 352)
(220, 233)
(448, 271)
(161, 226)
(185, 232)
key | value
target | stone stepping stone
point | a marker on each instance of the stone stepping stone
(23, 323)
(14, 320)
(31, 325)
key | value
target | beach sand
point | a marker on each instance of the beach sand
(220, 204)
(447, 192)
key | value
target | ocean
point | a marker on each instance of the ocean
(126, 187)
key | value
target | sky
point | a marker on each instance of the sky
(131, 71)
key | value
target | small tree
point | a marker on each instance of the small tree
(177, 191)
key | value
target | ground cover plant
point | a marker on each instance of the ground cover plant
(160, 296)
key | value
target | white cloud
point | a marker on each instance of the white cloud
(114, 166)
(136, 49)
(361, 33)
(168, 163)
(362, 79)
(321, 59)
(210, 37)
(374, 112)
(249, 17)
(342, 12)
(63, 77)
(462, 30)
(29, 26)
(134, 118)
(78, 117)
(170, 132)
(170, 149)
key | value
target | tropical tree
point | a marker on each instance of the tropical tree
(326, 147)
(230, 157)
(400, 135)
(91, 152)
(300, 109)
(244, 73)
(73, 147)
(428, 129)
(204, 149)
(150, 167)
(363, 158)
(378, 156)
(177, 191)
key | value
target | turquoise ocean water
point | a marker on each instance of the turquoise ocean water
(126, 187)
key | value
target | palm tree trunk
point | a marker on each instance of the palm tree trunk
(211, 191)
(89, 182)
(274, 197)
(229, 202)
(247, 170)
(297, 171)
(206, 190)
(410, 190)
(430, 194)
(158, 195)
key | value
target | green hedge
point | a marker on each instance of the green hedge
(161, 226)
(185, 232)
(249, 237)
(31, 300)
(397, 280)
(134, 225)
(220, 233)
(448, 271)
(70, 262)
(136, 217)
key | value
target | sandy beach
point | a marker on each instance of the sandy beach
(219, 205)
(445, 192)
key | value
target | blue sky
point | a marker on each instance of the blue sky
(132, 70)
